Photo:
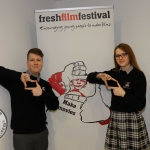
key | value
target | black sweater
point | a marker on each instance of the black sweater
(134, 85)
(28, 111)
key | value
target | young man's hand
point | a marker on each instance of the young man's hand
(36, 91)
(24, 78)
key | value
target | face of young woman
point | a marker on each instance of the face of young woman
(122, 59)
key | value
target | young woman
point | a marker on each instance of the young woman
(127, 129)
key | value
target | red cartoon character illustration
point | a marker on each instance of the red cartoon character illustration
(77, 96)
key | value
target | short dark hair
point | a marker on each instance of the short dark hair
(36, 51)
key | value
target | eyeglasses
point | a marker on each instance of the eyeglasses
(123, 55)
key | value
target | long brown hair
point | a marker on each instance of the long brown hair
(127, 49)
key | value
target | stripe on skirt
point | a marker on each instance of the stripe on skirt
(126, 131)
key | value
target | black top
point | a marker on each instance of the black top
(28, 111)
(134, 85)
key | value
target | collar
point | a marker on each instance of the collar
(38, 77)
(128, 70)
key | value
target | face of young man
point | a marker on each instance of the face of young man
(34, 64)
(122, 59)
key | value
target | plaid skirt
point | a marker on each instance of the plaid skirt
(126, 131)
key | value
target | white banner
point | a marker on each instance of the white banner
(75, 42)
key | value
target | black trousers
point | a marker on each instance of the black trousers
(35, 141)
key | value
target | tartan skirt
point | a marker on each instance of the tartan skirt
(126, 131)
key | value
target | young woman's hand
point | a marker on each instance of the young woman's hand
(118, 91)
(105, 77)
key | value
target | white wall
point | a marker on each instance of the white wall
(132, 26)
(17, 36)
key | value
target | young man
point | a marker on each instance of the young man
(29, 96)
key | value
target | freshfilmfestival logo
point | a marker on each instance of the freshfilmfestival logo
(70, 17)
(3, 123)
